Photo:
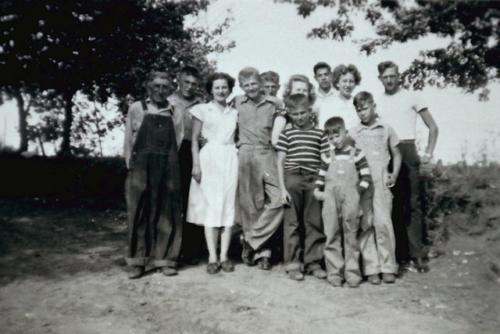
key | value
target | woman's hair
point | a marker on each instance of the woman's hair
(219, 76)
(343, 69)
(300, 78)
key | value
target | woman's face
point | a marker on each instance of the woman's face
(299, 87)
(220, 90)
(346, 84)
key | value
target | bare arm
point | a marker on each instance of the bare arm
(278, 126)
(195, 149)
(396, 165)
(433, 134)
(285, 197)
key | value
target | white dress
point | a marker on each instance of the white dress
(212, 201)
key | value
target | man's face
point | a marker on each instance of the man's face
(337, 139)
(251, 86)
(390, 79)
(366, 112)
(270, 88)
(324, 78)
(300, 117)
(188, 85)
(158, 90)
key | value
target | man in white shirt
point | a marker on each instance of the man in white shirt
(399, 108)
(326, 96)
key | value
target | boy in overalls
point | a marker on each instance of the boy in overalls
(152, 187)
(379, 142)
(343, 176)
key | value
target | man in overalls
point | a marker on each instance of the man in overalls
(152, 187)
(379, 142)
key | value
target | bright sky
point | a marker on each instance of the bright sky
(272, 36)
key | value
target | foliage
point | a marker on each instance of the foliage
(470, 28)
(102, 48)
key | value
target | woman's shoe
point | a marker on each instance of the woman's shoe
(213, 268)
(227, 266)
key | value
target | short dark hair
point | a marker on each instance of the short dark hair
(343, 69)
(190, 70)
(361, 98)
(334, 125)
(297, 101)
(219, 76)
(385, 65)
(321, 65)
(270, 76)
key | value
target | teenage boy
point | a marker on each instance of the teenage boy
(325, 97)
(399, 108)
(260, 207)
(152, 187)
(270, 83)
(379, 142)
(183, 99)
(299, 157)
(343, 177)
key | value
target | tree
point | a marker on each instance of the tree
(471, 28)
(102, 48)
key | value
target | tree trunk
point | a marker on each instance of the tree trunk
(65, 149)
(23, 122)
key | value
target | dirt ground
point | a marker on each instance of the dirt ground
(62, 271)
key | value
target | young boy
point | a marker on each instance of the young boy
(260, 207)
(379, 142)
(299, 157)
(343, 176)
(270, 83)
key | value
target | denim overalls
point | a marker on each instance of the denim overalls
(153, 194)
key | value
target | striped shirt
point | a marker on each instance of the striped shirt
(302, 148)
(360, 162)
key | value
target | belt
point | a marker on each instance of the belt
(407, 141)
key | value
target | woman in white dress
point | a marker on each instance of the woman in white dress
(215, 170)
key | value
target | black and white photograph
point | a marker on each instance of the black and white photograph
(249, 166)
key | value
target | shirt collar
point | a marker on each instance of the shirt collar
(196, 100)
(362, 126)
(323, 94)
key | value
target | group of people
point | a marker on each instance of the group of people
(339, 172)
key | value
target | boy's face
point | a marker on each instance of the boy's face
(366, 112)
(270, 88)
(188, 85)
(324, 78)
(337, 139)
(390, 79)
(300, 117)
(251, 86)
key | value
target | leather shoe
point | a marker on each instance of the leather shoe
(296, 275)
(319, 273)
(374, 279)
(136, 272)
(168, 271)
(247, 253)
(213, 268)
(227, 266)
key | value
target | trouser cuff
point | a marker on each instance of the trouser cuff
(164, 263)
(136, 261)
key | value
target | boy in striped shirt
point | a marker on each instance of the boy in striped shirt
(343, 177)
(299, 157)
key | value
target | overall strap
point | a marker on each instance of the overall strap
(144, 105)
(352, 152)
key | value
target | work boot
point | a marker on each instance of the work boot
(421, 265)
(388, 278)
(296, 275)
(374, 279)
(264, 263)
(247, 252)
(318, 273)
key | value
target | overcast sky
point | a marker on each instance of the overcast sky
(272, 36)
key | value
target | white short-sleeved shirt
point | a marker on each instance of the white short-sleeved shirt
(400, 112)
(335, 105)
